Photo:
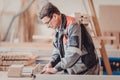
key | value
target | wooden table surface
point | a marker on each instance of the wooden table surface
(3, 76)
(76, 77)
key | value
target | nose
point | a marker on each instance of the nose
(49, 25)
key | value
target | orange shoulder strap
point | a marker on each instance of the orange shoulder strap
(69, 21)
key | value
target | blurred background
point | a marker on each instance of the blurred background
(26, 25)
(21, 30)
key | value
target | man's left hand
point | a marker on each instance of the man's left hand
(51, 71)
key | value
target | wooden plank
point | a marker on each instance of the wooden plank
(107, 34)
(109, 17)
(98, 32)
(116, 41)
(8, 12)
(26, 45)
(75, 77)
(27, 22)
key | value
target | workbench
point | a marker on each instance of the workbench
(3, 76)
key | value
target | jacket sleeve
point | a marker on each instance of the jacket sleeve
(55, 57)
(73, 51)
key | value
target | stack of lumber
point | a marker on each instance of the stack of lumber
(7, 59)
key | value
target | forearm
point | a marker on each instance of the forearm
(69, 60)
(55, 57)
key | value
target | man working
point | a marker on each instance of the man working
(74, 51)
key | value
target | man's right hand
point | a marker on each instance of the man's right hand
(46, 67)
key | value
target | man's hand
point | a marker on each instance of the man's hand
(46, 67)
(51, 71)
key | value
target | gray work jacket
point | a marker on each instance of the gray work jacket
(69, 57)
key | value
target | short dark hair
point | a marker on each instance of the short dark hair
(48, 10)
